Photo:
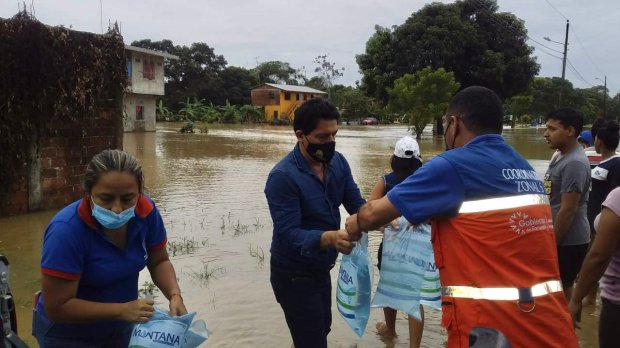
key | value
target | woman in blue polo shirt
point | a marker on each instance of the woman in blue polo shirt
(93, 250)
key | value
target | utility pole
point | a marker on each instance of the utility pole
(564, 60)
(565, 49)
(605, 98)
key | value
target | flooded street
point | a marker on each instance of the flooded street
(209, 189)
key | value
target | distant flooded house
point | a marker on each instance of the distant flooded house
(281, 101)
(145, 69)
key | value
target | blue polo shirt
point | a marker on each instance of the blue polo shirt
(303, 207)
(74, 248)
(485, 167)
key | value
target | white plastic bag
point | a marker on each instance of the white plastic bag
(354, 287)
(406, 277)
(165, 331)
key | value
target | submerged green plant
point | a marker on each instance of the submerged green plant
(258, 253)
(148, 290)
(257, 224)
(240, 229)
(186, 246)
(207, 272)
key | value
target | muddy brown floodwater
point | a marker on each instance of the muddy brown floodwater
(209, 189)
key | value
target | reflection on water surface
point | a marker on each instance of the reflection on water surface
(209, 188)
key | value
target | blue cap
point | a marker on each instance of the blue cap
(586, 136)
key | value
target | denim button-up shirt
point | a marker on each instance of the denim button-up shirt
(303, 207)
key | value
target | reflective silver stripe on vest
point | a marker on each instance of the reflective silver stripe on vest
(499, 294)
(503, 203)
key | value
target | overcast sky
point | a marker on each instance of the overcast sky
(295, 31)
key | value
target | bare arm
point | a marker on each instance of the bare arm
(378, 191)
(599, 256)
(564, 218)
(372, 215)
(61, 304)
(164, 277)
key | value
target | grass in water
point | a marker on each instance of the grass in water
(258, 253)
(148, 290)
(185, 246)
(207, 272)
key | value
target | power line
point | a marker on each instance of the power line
(517, 31)
(570, 64)
(549, 48)
(586, 52)
(549, 54)
(572, 28)
(501, 22)
(556, 10)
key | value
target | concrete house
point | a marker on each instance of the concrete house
(280, 101)
(145, 69)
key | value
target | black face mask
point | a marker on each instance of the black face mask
(321, 152)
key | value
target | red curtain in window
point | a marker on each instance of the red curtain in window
(148, 69)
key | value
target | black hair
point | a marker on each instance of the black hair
(567, 117)
(609, 134)
(307, 116)
(403, 167)
(596, 125)
(112, 160)
(480, 109)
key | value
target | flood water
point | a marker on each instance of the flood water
(209, 189)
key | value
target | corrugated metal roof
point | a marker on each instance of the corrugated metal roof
(147, 51)
(293, 88)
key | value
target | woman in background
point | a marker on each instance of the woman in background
(603, 259)
(605, 176)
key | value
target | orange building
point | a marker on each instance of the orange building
(281, 101)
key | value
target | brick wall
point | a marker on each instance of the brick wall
(18, 200)
(54, 177)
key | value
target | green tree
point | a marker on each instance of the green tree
(613, 107)
(193, 111)
(353, 103)
(422, 97)
(518, 106)
(525, 119)
(229, 113)
(236, 85)
(356, 105)
(328, 71)
(196, 74)
(590, 103)
(162, 113)
(251, 113)
(470, 38)
(546, 91)
(376, 65)
(279, 72)
(317, 82)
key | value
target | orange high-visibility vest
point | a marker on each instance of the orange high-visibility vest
(498, 267)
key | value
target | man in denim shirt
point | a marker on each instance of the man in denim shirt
(305, 191)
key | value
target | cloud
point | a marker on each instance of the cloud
(247, 31)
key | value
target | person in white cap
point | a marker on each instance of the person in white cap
(405, 161)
